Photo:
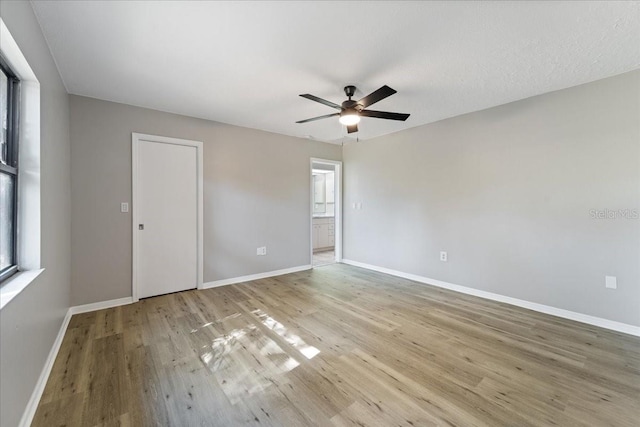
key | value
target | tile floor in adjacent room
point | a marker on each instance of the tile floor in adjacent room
(324, 258)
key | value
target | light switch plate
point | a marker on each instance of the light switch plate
(611, 282)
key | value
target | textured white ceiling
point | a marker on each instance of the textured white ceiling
(245, 63)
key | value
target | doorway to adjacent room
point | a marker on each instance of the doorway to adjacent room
(326, 212)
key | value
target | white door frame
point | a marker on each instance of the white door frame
(338, 206)
(135, 142)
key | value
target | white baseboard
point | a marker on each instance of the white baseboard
(86, 308)
(258, 276)
(32, 405)
(566, 314)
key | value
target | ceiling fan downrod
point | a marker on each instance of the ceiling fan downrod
(350, 91)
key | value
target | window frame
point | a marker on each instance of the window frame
(12, 168)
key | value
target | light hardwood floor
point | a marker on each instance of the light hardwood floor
(339, 346)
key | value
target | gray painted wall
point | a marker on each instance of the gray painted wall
(507, 192)
(30, 322)
(256, 193)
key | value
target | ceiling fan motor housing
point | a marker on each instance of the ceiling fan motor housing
(351, 105)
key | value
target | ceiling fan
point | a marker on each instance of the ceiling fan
(351, 111)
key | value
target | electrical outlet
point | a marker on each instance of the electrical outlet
(610, 282)
(261, 250)
(443, 256)
(124, 207)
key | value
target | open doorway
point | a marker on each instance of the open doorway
(326, 212)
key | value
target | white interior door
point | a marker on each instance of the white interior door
(167, 217)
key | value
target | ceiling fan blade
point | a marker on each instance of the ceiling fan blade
(321, 101)
(376, 96)
(318, 118)
(384, 115)
(352, 128)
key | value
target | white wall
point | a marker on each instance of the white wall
(256, 193)
(30, 322)
(507, 192)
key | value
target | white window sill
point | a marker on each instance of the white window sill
(16, 284)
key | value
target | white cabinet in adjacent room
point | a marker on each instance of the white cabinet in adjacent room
(323, 233)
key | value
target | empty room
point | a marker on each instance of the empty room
(331, 213)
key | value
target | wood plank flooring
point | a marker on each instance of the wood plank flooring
(338, 346)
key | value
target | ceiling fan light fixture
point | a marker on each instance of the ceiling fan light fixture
(351, 111)
(349, 117)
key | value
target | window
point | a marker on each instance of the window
(9, 108)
